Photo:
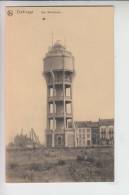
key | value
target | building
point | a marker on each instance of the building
(83, 134)
(89, 133)
(94, 132)
(106, 131)
(59, 72)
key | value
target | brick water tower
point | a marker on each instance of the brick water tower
(59, 72)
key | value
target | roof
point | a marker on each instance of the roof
(58, 50)
(84, 124)
(80, 124)
(93, 124)
(106, 122)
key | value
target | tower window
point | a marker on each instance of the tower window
(68, 108)
(59, 140)
(51, 108)
(51, 91)
(51, 124)
(67, 91)
(69, 123)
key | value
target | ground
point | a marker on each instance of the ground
(60, 165)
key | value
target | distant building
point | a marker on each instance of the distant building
(83, 134)
(90, 133)
(94, 132)
(106, 131)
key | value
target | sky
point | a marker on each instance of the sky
(88, 32)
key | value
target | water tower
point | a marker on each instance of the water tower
(59, 72)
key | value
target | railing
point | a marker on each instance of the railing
(59, 114)
(56, 81)
(59, 98)
(68, 97)
(68, 115)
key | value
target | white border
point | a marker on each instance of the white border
(121, 184)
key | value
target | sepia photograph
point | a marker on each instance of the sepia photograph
(59, 89)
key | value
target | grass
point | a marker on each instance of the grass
(60, 165)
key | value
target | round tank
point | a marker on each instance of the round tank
(58, 58)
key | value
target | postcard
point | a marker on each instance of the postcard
(59, 94)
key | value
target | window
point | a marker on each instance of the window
(110, 133)
(88, 130)
(69, 123)
(68, 108)
(88, 135)
(51, 123)
(110, 129)
(59, 140)
(50, 78)
(51, 108)
(77, 141)
(51, 91)
(68, 77)
(103, 129)
(103, 133)
(67, 91)
(83, 141)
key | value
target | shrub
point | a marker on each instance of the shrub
(99, 164)
(80, 158)
(12, 165)
(61, 162)
(91, 160)
(38, 167)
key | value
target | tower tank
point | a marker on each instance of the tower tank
(59, 72)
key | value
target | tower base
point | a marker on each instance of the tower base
(60, 138)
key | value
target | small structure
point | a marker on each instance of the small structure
(23, 141)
